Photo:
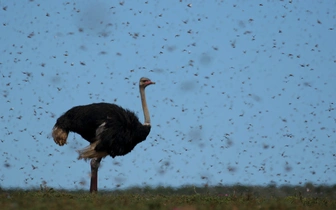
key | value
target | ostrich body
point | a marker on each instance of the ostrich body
(110, 129)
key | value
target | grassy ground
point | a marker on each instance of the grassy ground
(187, 198)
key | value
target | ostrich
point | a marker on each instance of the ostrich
(110, 129)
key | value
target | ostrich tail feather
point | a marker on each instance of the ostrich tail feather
(90, 152)
(59, 135)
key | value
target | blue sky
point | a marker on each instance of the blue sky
(245, 90)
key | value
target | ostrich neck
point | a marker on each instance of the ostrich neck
(144, 106)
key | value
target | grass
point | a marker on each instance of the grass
(185, 198)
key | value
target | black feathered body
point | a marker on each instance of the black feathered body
(114, 130)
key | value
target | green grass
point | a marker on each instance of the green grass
(185, 198)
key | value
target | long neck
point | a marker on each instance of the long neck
(144, 106)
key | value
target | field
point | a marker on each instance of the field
(184, 198)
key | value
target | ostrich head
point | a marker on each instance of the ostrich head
(144, 82)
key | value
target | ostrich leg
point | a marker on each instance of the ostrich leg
(94, 174)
